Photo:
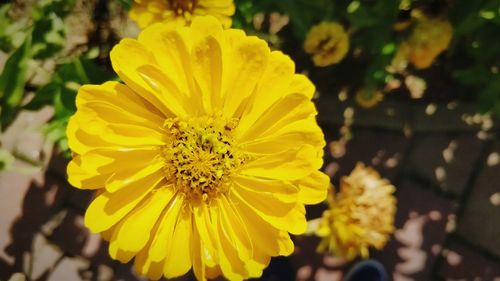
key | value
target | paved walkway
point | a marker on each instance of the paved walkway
(444, 163)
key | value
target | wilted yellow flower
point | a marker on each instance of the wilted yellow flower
(204, 158)
(327, 42)
(429, 39)
(180, 12)
(360, 216)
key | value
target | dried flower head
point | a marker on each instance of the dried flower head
(360, 216)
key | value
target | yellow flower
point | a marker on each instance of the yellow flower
(204, 158)
(368, 102)
(180, 12)
(429, 39)
(327, 42)
(360, 216)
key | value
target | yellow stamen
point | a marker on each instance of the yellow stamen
(202, 156)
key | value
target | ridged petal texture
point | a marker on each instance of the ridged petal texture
(203, 158)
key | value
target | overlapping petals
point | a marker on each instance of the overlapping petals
(121, 136)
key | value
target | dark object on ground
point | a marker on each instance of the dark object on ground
(368, 270)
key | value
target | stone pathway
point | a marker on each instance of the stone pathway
(444, 162)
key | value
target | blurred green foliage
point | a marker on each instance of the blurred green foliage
(475, 57)
(472, 60)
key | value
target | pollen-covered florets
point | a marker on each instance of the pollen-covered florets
(201, 156)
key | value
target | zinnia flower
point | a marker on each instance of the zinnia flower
(204, 158)
(429, 39)
(360, 216)
(327, 42)
(180, 12)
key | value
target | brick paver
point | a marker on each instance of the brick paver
(446, 161)
(480, 220)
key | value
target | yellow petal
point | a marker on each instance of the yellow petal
(298, 133)
(165, 88)
(115, 252)
(281, 190)
(288, 165)
(145, 266)
(313, 188)
(285, 244)
(124, 178)
(115, 97)
(265, 236)
(203, 222)
(198, 256)
(80, 141)
(272, 87)
(172, 55)
(136, 231)
(178, 260)
(161, 243)
(126, 58)
(231, 248)
(104, 161)
(109, 208)
(285, 216)
(249, 58)
(207, 70)
(92, 169)
(300, 84)
(80, 178)
(287, 110)
(115, 134)
(237, 232)
(213, 272)
(208, 26)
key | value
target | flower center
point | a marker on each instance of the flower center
(182, 6)
(201, 156)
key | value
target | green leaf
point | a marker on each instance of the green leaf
(56, 130)
(43, 96)
(12, 82)
(127, 4)
(389, 48)
(48, 36)
(69, 77)
(12, 34)
(59, 7)
(487, 14)
(6, 160)
(353, 6)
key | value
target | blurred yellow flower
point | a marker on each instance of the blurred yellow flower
(180, 12)
(204, 158)
(327, 42)
(360, 216)
(429, 39)
(368, 101)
